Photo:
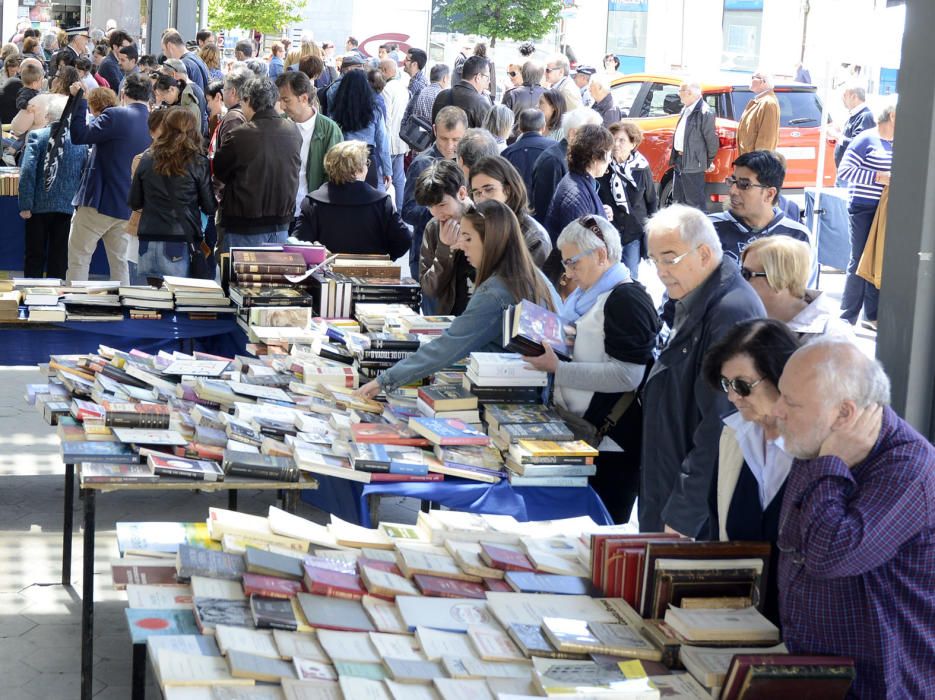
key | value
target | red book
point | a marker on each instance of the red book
(385, 434)
(334, 584)
(448, 587)
(197, 450)
(386, 476)
(788, 676)
(505, 559)
(497, 584)
(379, 564)
(270, 586)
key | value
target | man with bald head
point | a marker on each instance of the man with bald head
(857, 533)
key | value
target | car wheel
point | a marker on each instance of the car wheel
(665, 194)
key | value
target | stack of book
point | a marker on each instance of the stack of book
(262, 278)
(9, 304)
(387, 290)
(198, 298)
(550, 463)
(9, 181)
(145, 302)
(377, 352)
(43, 303)
(368, 266)
(503, 377)
(100, 302)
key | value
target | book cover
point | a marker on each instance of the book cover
(782, 675)
(716, 625)
(336, 584)
(142, 436)
(299, 644)
(386, 434)
(505, 559)
(272, 613)
(259, 561)
(446, 614)
(553, 430)
(161, 537)
(197, 469)
(550, 448)
(528, 325)
(144, 570)
(252, 641)
(198, 561)
(580, 636)
(443, 587)
(111, 452)
(385, 584)
(334, 613)
(270, 586)
(312, 670)
(492, 644)
(107, 472)
(210, 612)
(448, 431)
(258, 668)
(528, 582)
(448, 398)
(165, 597)
(144, 623)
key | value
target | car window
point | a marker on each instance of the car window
(797, 108)
(713, 103)
(662, 100)
(624, 95)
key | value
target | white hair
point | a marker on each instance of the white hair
(561, 61)
(601, 81)
(577, 118)
(693, 86)
(847, 374)
(693, 226)
(54, 106)
(886, 114)
(583, 237)
(767, 78)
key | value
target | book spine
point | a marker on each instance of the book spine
(119, 479)
(137, 420)
(550, 481)
(556, 460)
(389, 477)
(257, 471)
(185, 473)
(268, 269)
(390, 344)
(386, 354)
(318, 588)
(407, 468)
(363, 465)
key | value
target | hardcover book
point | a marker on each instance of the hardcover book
(504, 558)
(144, 623)
(273, 613)
(531, 582)
(448, 587)
(337, 584)
(784, 676)
(526, 326)
(210, 612)
(334, 613)
(270, 586)
(198, 469)
(448, 431)
(448, 398)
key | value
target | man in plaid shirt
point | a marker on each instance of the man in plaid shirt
(857, 529)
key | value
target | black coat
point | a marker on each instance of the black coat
(463, 95)
(523, 97)
(682, 414)
(353, 218)
(641, 199)
(608, 111)
(171, 205)
(548, 171)
(8, 108)
(524, 152)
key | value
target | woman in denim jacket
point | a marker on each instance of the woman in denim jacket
(490, 239)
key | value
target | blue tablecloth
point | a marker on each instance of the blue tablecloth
(834, 241)
(348, 499)
(25, 344)
(13, 241)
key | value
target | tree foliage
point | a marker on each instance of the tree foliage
(267, 16)
(518, 20)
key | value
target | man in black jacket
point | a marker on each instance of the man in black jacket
(110, 66)
(604, 99)
(694, 145)
(258, 163)
(681, 413)
(468, 94)
(530, 144)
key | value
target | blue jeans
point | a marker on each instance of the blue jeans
(399, 180)
(858, 292)
(161, 258)
(631, 257)
(237, 240)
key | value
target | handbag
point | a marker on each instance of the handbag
(417, 133)
(586, 430)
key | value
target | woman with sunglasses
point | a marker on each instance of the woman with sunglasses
(778, 268)
(494, 177)
(490, 238)
(752, 465)
(616, 327)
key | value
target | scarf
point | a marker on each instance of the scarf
(580, 302)
(622, 173)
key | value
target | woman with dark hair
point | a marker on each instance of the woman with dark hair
(628, 189)
(616, 326)
(170, 91)
(752, 465)
(494, 177)
(552, 105)
(64, 77)
(611, 63)
(355, 110)
(576, 194)
(214, 95)
(490, 238)
(172, 187)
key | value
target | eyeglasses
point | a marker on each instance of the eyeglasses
(485, 75)
(552, 70)
(743, 185)
(512, 73)
(741, 387)
(749, 274)
(569, 263)
(669, 262)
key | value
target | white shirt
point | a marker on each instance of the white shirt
(679, 143)
(396, 95)
(767, 460)
(306, 129)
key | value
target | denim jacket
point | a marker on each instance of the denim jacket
(375, 135)
(478, 329)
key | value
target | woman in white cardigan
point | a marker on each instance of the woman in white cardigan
(752, 464)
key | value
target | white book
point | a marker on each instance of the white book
(493, 644)
(199, 368)
(348, 646)
(295, 527)
(680, 686)
(204, 587)
(436, 644)
(175, 669)
(701, 624)
(363, 689)
(354, 535)
(301, 644)
(153, 597)
(294, 689)
(524, 381)
(309, 670)
(454, 689)
(469, 667)
(396, 646)
(530, 608)
(222, 521)
(384, 615)
(449, 614)
(258, 642)
(502, 364)
(411, 691)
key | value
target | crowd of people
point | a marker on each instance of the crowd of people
(740, 409)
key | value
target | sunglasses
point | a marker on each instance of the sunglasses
(512, 73)
(741, 387)
(749, 274)
(742, 185)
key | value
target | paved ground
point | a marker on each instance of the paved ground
(40, 620)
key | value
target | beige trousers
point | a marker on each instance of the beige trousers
(88, 226)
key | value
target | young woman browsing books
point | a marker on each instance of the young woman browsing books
(616, 326)
(490, 239)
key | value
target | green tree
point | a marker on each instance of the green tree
(267, 16)
(518, 20)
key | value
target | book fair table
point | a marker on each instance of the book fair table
(349, 500)
(31, 343)
(834, 243)
(89, 493)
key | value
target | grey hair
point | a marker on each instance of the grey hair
(693, 225)
(260, 93)
(257, 67)
(96, 35)
(583, 237)
(561, 61)
(499, 121)
(693, 85)
(602, 81)
(237, 78)
(857, 91)
(767, 79)
(476, 144)
(577, 118)
(847, 373)
(532, 72)
(886, 114)
(48, 39)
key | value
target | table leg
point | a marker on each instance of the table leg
(290, 499)
(138, 688)
(231, 499)
(68, 523)
(87, 598)
(373, 509)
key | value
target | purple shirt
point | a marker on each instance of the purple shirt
(857, 563)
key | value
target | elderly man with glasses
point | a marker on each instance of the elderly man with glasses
(557, 78)
(758, 129)
(682, 413)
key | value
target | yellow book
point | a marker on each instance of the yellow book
(550, 448)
